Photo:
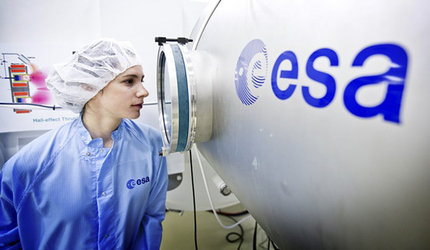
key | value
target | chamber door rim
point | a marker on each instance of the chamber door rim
(172, 59)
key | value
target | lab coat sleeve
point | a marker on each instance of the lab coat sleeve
(9, 234)
(156, 208)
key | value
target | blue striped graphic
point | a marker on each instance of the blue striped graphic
(246, 89)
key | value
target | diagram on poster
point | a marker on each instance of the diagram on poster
(20, 72)
(25, 101)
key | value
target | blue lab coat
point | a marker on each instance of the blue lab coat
(65, 191)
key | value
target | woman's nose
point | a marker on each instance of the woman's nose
(142, 91)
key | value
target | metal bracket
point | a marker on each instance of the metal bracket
(180, 40)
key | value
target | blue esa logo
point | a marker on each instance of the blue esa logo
(132, 183)
(393, 79)
(251, 70)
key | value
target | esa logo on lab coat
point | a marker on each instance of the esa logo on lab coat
(132, 183)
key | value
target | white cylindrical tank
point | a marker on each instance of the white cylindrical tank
(320, 117)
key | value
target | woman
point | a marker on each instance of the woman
(97, 182)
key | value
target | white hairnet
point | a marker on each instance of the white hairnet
(89, 70)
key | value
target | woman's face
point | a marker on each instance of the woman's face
(123, 96)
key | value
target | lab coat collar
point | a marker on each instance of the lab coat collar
(97, 142)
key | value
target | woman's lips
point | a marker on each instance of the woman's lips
(137, 106)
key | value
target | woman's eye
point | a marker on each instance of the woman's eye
(129, 81)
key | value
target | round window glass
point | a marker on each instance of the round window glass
(166, 99)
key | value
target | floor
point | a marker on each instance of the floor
(178, 231)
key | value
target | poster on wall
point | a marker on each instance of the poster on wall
(31, 42)
(25, 102)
